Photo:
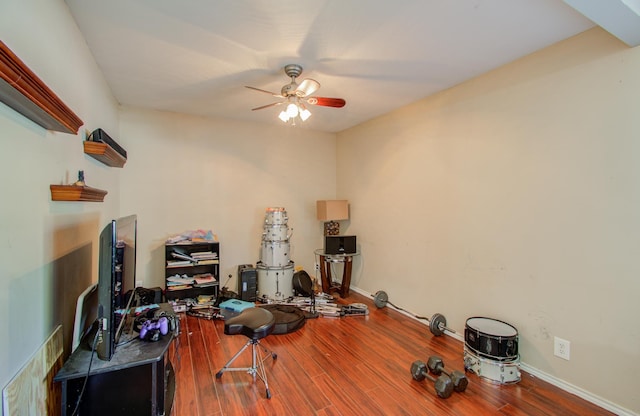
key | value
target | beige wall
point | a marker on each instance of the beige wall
(515, 196)
(48, 250)
(187, 173)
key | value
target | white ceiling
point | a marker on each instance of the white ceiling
(196, 56)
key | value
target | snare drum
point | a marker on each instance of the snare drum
(275, 283)
(501, 372)
(275, 216)
(491, 338)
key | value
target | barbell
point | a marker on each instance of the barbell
(437, 323)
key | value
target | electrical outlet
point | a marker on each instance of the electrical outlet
(317, 266)
(561, 348)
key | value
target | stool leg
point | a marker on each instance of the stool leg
(226, 366)
(257, 363)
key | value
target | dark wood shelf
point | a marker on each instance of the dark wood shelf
(23, 91)
(104, 153)
(76, 193)
(199, 267)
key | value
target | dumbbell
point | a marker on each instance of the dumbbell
(437, 323)
(458, 378)
(443, 384)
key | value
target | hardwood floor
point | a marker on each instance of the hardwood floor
(355, 365)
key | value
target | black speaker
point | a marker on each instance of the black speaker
(340, 244)
(247, 282)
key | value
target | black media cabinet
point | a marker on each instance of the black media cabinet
(139, 379)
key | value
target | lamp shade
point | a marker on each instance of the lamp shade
(333, 209)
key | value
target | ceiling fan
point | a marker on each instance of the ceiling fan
(296, 96)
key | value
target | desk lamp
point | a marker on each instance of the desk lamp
(331, 211)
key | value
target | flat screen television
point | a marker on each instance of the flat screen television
(116, 282)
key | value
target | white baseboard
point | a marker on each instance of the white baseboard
(582, 393)
(561, 384)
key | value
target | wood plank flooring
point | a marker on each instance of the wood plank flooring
(356, 365)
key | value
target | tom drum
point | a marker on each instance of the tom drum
(275, 253)
(276, 233)
(275, 216)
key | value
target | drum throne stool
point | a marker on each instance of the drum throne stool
(254, 323)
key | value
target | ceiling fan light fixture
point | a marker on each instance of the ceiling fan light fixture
(292, 110)
(305, 114)
(283, 116)
(294, 96)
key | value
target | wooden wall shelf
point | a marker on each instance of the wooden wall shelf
(23, 91)
(76, 193)
(104, 153)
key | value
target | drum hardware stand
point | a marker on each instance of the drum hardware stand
(354, 309)
(437, 323)
(327, 308)
(206, 313)
(266, 300)
(313, 314)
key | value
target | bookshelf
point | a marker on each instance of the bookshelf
(192, 269)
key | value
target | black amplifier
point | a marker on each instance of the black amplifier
(247, 283)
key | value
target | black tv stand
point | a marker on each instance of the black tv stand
(138, 380)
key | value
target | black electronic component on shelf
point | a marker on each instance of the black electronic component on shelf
(99, 135)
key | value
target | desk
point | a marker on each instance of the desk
(326, 260)
(139, 379)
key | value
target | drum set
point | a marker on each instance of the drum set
(491, 350)
(275, 268)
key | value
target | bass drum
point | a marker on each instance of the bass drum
(275, 253)
(491, 338)
(500, 372)
(275, 216)
(275, 283)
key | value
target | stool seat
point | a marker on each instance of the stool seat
(254, 323)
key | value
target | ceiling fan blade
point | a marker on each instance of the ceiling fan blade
(266, 106)
(327, 102)
(264, 91)
(307, 87)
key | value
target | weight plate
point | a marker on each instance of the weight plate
(437, 324)
(380, 299)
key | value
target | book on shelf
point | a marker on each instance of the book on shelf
(205, 299)
(200, 262)
(204, 255)
(204, 280)
(179, 263)
(181, 280)
(209, 284)
(182, 256)
(178, 287)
